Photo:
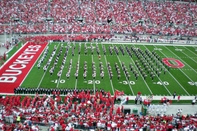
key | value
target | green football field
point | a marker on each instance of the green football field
(144, 70)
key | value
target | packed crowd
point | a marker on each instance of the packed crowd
(82, 110)
(65, 38)
(83, 16)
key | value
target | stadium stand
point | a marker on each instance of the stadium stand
(98, 19)
(79, 110)
(101, 16)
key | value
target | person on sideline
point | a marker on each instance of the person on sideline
(178, 98)
(174, 95)
(193, 102)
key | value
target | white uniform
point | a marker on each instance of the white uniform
(102, 74)
(51, 70)
(45, 68)
(59, 73)
(67, 75)
(94, 75)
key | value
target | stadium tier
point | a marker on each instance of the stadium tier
(99, 16)
(81, 111)
(98, 65)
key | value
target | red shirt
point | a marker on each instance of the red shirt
(109, 125)
(179, 97)
(52, 129)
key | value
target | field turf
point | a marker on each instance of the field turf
(183, 80)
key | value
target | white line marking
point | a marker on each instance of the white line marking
(45, 71)
(192, 53)
(181, 59)
(157, 75)
(161, 44)
(140, 74)
(108, 73)
(12, 56)
(125, 74)
(79, 68)
(33, 64)
(61, 74)
(93, 79)
(175, 78)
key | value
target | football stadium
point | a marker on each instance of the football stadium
(98, 65)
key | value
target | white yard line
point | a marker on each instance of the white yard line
(46, 70)
(125, 75)
(12, 56)
(195, 48)
(33, 64)
(175, 78)
(192, 51)
(93, 79)
(61, 74)
(140, 74)
(161, 44)
(189, 56)
(159, 77)
(181, 59)
(79, 69)
(108, 72)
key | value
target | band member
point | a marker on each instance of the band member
(76, 75)
(68, 75)
(84, 75)
(118, 77)
(99, 58)
(51, 71)
(102, 75)
(45, 68)
(38, 66)
(94, 75)
(128, 77)
(59, 74)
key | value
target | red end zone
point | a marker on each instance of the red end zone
(16, 68)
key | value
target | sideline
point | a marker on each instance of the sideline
(33, 64)
(146, 43)
(156, 97)
(12, 55)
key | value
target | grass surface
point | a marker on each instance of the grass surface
(182, 80)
